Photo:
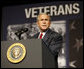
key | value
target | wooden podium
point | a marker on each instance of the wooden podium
(37, 55)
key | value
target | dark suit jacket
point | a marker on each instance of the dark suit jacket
(53, 41)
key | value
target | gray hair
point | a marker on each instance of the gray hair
(42, 14)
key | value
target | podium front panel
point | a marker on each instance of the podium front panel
(33, 58)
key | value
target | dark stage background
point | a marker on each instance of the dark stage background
(14, 17)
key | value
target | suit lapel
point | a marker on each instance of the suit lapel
(47, 35)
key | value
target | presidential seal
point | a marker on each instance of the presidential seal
(16, 52)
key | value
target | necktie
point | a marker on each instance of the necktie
(41, 35)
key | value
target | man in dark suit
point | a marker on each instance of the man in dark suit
(50, 38)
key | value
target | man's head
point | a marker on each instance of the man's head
(43, 22)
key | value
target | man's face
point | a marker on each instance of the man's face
(43, 22)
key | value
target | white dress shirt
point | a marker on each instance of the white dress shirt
(42, 35)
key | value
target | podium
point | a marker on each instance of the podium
(37, 55)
